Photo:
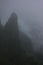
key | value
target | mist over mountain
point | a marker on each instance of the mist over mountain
(13, 42)
(21, 31)
(30, 15)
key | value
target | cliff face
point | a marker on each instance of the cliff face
(11, 26)
(15, 40)
(10, 38)
(15, 44)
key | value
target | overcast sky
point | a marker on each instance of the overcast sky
(28, 11)
(30, 7)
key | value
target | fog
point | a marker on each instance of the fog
(30, 18)
(29, 12)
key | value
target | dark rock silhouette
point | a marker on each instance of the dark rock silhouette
(16, 45)
(11, 34)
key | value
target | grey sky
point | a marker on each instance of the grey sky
(28, 11)
(31, 7)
